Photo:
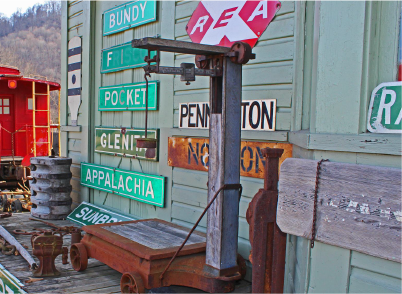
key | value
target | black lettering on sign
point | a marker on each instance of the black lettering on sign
(258, 115)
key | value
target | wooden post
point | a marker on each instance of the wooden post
(224, 168)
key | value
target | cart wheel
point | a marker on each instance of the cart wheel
(78, 257)
(3, 203)
(16, 206)
(242, 265)
(131, 283)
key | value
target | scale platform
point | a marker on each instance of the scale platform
(141, 250)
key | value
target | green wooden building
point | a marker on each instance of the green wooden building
(320, 61)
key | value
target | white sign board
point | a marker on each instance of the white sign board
(256, 115)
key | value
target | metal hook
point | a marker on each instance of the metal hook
(146, 102)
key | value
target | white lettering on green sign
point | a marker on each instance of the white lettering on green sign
(385, 110)
(90, 214)
(128, 97)
(114, 141)
(8, 283)
(138, 186)
(122, 57)
(128, 15)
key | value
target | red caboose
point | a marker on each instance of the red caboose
(25, 125)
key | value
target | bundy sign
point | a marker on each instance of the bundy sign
(122, 57)
(122, 142)
(129, 15)
(8, 283)
(128, 97)
(137, 186)
(385, 110)
(256, 115)
(89, 214)
(193, 153)
(225, 22)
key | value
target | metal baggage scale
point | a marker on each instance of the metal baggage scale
(152, 253)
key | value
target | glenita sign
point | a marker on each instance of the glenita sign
(129, 15)
(122, 142)
(385, 111)
(256, 115)
(137, 186)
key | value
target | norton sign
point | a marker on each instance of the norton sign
(256, 115)
(128, 97)
(137, 186)
(128, 15)
(385, 111)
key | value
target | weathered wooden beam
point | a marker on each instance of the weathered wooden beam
(224, 167)
(358, 206)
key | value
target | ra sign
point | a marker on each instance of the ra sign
(385, 111)
(226, 22)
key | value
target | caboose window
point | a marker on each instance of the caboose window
(4, 106)
(30, 103)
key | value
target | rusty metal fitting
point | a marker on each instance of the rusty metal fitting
(202, 61)
(46, 247)
(240, 53)
(64, 257)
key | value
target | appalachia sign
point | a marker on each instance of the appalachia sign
(89, 214)
(137, 186)
(122, 57)
(256, 115)
(123, 143)
(385, 110)
(129, 15)
(128, 97)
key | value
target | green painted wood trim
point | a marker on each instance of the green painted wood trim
(389, 144)
(70, 129)
(63, 92)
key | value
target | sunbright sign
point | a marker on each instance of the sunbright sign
(256, 115)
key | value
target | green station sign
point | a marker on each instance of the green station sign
(122, 57)
(90, 214)
(129, 15)
(9, 283)
(137, 186)
(128, 97)
(385, 110)
(123, 142)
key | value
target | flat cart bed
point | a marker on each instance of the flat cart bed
(97, 278)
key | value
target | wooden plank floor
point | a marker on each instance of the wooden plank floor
(98, 278)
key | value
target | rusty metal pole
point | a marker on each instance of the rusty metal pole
(268, 243)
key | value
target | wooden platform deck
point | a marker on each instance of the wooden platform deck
(98, 278)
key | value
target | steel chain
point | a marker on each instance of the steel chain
(317, 178)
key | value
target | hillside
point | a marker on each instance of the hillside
(31, 42)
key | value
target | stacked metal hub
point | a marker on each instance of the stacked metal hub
(50, 187)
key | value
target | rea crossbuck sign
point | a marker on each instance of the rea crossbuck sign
(226, 22)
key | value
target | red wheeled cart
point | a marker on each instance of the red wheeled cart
(142, 249)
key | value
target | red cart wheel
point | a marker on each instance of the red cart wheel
(131, 283)
(78, 257)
